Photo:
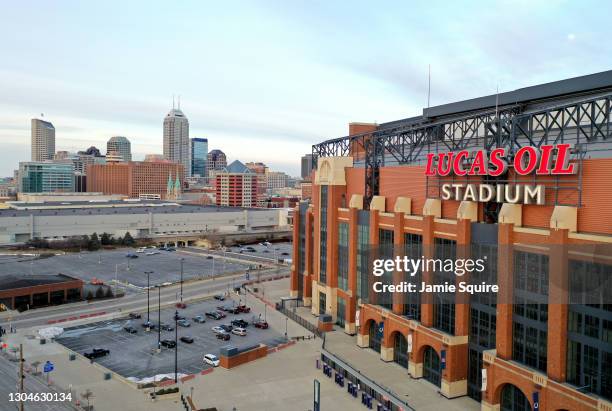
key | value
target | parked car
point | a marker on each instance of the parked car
(96, 353)
(224, 336)
(167, 327)
(243, 308)
(141, 250)
(221, 313)
(170, 249)
(131, 255)
(154, 252)
(135, 316)
(214, 315)
(233, 310)
(180, 317)
(220, 297)
(184, 323)
(148, 324)
(240, 323)
(218, 329)
(226, 327)
(239, 331)
(261, 324)
(187, 339)
(168, 343)
(181, 305)
(199, 319)
(284, 253)
(211, 359)
(209, 257)
(130, 329)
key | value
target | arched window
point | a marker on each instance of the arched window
(513, 399)
(375, 336)
(400, 349)
(431, 366)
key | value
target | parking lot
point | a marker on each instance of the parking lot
(134, 355)
(165, 266)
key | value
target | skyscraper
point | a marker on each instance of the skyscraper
(120, 145)
(43, 140)
(306, 166)
(216, 161)
(199, 157)
(176, 138)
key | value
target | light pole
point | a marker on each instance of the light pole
(182, 260)
(158, 317)
(176, 347)
(286, 321)
(148, 273)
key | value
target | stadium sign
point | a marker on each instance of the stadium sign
(545, 160)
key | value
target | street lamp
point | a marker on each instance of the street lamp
(159, 317)
(176, 347)
(148, 273)
(182, 260)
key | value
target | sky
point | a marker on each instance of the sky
(264, 80)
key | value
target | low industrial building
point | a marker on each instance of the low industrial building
(33, 291)
(142, 219)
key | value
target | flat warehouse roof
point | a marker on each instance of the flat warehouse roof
(10, 282)
(105, 210)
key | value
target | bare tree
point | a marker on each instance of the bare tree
(87, 395)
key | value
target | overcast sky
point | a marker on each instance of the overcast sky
(264, 80)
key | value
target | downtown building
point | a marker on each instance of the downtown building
(137, 179)
(43, 140)
(404, 188)
(176, 139)
(199, 157)
(236, 186)
(119, 145)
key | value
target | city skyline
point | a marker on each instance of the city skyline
(248, 89)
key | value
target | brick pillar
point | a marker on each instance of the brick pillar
(351, 303)
(505, 280)
(428, 252)
(335, 194)
(374, 218)
(462, 307)
(557, 313)
(316, 270)
(398, 244)
(293, 286)
(308, 256)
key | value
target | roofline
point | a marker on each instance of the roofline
(574, 85)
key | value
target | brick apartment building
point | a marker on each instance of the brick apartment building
(134, 178)
(237, 186)
(526, 347)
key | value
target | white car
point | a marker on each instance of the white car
(211, 360)
(153, 252)
(218, 330)
(239, 331)
(141, 250)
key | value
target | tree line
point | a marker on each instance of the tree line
(88, 242)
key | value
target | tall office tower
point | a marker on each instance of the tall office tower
(43, 140)
(216, 161)
(120, 145)
(176, 138)
(199, 157)
(306, 166)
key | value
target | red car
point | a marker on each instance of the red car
(243, 309)
(181, 305)
(261, 324)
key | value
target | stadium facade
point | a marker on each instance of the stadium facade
(453, 183)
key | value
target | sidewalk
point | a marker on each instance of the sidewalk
(420, 394)
(78, 375)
